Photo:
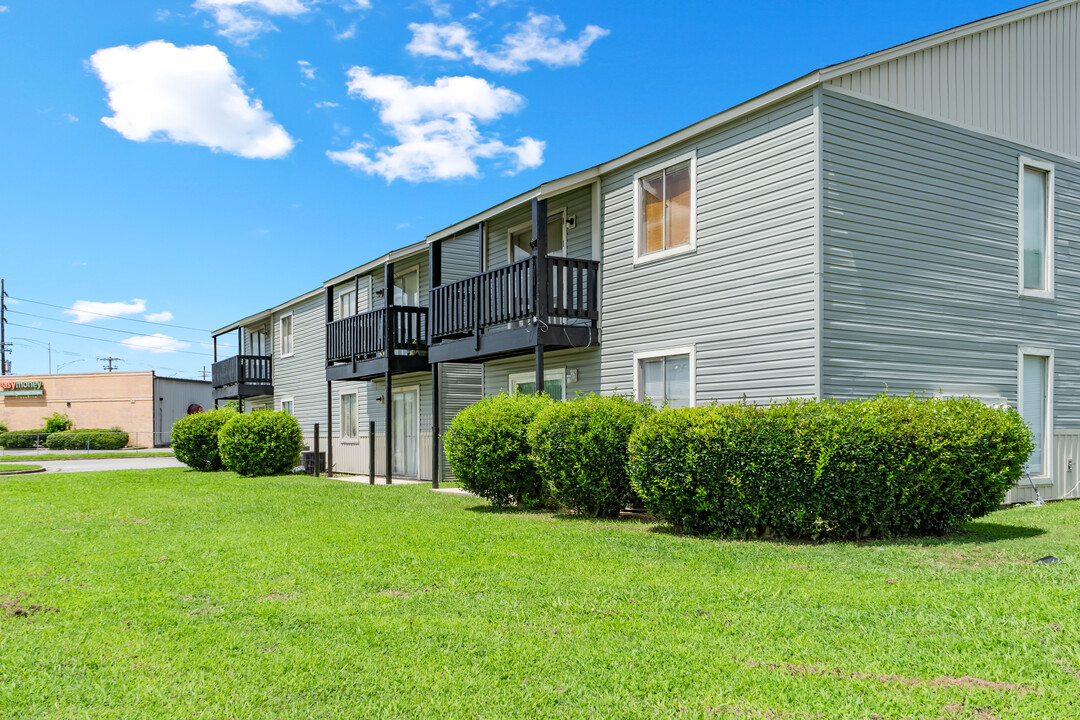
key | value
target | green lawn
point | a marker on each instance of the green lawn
(169, 593)
(12, 467)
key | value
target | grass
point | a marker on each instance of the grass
(11, 467)
(83, 456)
(180, 594)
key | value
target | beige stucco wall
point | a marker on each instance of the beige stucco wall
(91, 400)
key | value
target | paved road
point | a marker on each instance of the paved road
(70, 466)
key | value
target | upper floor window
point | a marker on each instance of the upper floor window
(1036, 228)
(347, 303)
(665, 199)
(407, 288)
(286, 336)
(521, 238)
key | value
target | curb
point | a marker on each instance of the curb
(24, 472)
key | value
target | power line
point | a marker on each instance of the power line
(101, 339)
(107, 329)
(114, 317)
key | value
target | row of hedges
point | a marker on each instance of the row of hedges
(112, 439)
(93, 439)
(802, 468)
(532, 452)
(264, 442)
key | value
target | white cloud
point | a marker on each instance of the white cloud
(87, 311)
(156, 343)
(307, 69)
(241, 21)
(534, 40)
(71, 118)
(163, 316)
(192, 95)
(435, 126)
(326, 104)
(4, 8)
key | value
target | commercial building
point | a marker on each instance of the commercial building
(140, 403)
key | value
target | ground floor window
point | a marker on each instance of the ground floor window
(665, 376)
(287, 406)
(554, 383)
(348, 416)
(1035, 390)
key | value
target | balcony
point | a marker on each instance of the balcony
(356, 346)
(511, 310)
(242, 376)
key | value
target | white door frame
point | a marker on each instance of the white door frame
(416, 422)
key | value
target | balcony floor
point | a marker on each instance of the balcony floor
(512, 341)
(376, 367)
(235, 392)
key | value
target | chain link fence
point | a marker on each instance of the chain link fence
(29, 444)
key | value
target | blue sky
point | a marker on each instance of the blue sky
(172, 166)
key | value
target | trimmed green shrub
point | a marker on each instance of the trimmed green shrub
(57, 422)
(825, 469)
(488, 451)
(580, 448)
(97, 439)
(3, 427)
(261, 443)
(195, 438)
(22, 439)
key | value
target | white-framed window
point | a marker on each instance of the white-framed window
(665, 209)
(666, 376)
(349, 418)
(525, 383)
(1035, 399)
(287, 406)
(286, 332)
(519, 238)
(347, 303)
(1036, 222)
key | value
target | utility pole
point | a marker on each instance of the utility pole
(110, 360)
(204, 372)
(3, 322)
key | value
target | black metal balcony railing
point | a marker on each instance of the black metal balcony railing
(364, 335)
(509, 293)
(243, 370)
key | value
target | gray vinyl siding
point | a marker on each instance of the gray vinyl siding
(1020, 80)
(586, 361)
(302, 376)
(920, 261)
(745, 297)
(577, 204)
(460, 256)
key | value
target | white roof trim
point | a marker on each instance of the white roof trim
(264, 314)
(377, 263)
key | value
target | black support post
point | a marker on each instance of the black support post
(435, 427)
(371, 452)
(239, 369)
(388, 398)
(434, 281)
(329, 429)
(317, 453)
(540, 248)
